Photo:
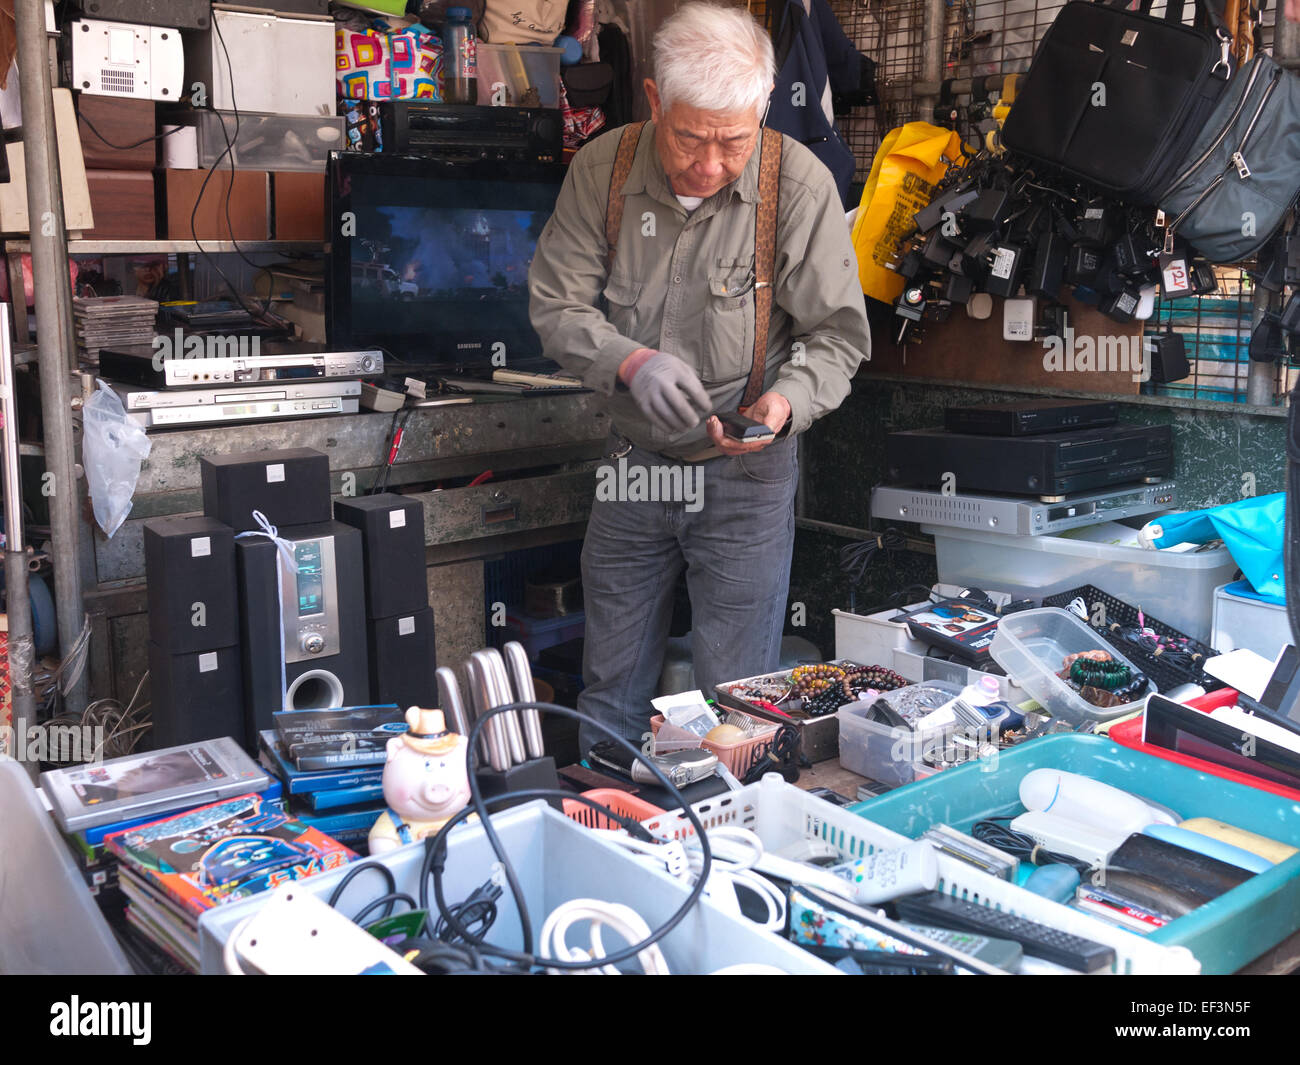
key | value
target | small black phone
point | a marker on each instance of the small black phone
(746, 430)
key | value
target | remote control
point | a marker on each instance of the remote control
(886, 874)
(1004, 953)
(1038, 940)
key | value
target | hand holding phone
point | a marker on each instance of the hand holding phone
(746, 430)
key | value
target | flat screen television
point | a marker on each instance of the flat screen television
(429, 259)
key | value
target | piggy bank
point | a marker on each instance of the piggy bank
(426, 781)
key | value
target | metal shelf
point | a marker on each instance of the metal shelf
(175, 247)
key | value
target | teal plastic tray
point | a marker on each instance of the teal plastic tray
(1225, 934)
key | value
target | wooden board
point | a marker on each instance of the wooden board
(967, 349)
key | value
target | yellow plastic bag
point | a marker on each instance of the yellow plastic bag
(911, 160)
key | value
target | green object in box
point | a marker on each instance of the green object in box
(1224, 934)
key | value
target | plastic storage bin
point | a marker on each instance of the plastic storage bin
(888, 754)
(739, 757)
(1177, 587)
(1224, 934)
(556, 860)
(269, 142)
(1031, 645)
(1129, 734)
(1241, 620)
(619, 801)
(537, 634)
(782, 815)
(506, 72)
(49, 922)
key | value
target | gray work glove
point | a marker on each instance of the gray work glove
(670, 393)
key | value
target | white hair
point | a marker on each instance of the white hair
(715, 58)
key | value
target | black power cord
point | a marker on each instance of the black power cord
(125, 147)
(857, 556)
(1019, 845)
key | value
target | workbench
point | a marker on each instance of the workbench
(542, 452)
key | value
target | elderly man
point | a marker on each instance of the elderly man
(672, 250)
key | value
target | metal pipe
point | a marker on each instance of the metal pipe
(55, 344)
(933, 14)
(21, 641)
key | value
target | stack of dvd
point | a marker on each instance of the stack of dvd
(109, 321)
(331, 763)
(174, 870)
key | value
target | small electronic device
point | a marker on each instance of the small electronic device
(1028, 417)
(1018, 319)
(309, 607)
(973, 851)
(200, 363)
(1089, 802)
(297, 934)
(1013, 514)
(956, 626)
(1037, 940)
(247, 408)
(746, 430)
(469, 132)
(680, 767)
(155, 782)
(1004, 953)
(301, 396)
(1165, 878)
(126, 59)
(1064, 836)
(891, 872)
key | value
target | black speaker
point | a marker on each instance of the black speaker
(392, 541)
(403, 669)
(190, 568)
(315, 618)
(195, 696)
(290, 487)
(183, 14)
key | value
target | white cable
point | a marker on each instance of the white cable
(623, 920)
(736, 851)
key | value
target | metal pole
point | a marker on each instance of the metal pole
(55, 345)
(21, 644)
(932, 26)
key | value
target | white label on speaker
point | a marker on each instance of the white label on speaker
(405, 626)
(274, 472)
(208, 662)
(397, 519)
(201, 547)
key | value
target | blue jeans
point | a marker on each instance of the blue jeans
(734, 538)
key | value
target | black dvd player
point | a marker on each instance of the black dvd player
(1052, 464)
(1029, 416)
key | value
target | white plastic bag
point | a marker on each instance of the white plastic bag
(112, 449)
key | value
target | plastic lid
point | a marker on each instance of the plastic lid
(459, 12)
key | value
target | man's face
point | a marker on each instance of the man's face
(701, 151)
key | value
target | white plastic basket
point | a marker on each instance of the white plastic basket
(781, 815)
(556, 860)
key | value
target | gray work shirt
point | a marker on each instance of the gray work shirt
(683, 282)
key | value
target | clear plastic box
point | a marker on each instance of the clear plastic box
(1177, 587)
(507, 71)
(269, 142)
(888, 754)
(1031, 646)
(1243, 621)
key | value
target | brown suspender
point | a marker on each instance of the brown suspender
(769, 186)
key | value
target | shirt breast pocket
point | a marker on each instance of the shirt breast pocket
(728, 343)
(621, 297)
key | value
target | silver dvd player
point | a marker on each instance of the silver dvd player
(135, 399)
(232, 361)
(1017, 514)
(253, 410)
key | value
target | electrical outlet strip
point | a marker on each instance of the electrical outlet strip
(1085, 842)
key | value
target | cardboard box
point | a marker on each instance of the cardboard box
(299, 200)
(117, 121)
(72, 171)
(249, 193)
(123, 204)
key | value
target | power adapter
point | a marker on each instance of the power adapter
(1097, 223)
(1267, 341)
(1018, 319)
(957, 289)
(1048, 267)
(953, 202)
(913, 265)
(1167, 353)
(988, 209)
(1082, 265)
(1052, 319)
(1122, 306)
(1205, 282)
(937, 250)
(1005, 264)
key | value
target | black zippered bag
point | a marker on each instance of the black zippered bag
(1115, 98)
(1242, 172)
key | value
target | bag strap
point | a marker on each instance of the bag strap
(769, 189)
(627, 145)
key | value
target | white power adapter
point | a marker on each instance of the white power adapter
(1018, 319)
